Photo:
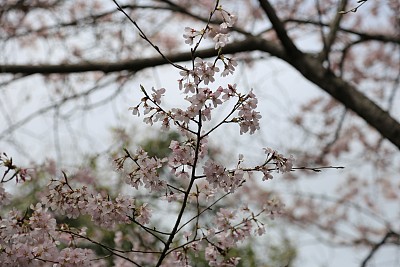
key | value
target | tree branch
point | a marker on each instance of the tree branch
(310, 67)
(362, 35)
(279, 28)
(334, 27)
(249, 44)
(350, 97)
(377, 246)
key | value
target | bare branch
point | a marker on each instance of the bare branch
(362, 35)
(378, 245)
(351, 98)
(109, 249)
(328, 146)
(249, 44)
(334, 27)
(290, 47)
(354, 9)
(53, 106)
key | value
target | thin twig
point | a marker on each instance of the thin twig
(111, 250)
(143, 35)
(204, 210)
(377, 246)
(354, 9)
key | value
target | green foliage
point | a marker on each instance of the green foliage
(281, 253)
(159, 147)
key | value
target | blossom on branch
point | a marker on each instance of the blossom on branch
(194, 183)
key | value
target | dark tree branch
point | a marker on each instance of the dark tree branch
(309, 66)
(280, 30)
(378, 245)
(395, 89)
(249, 44)
(354, 9)
(341, 90)
(350, 97)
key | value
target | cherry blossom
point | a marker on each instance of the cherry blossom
(282, 163)
(5, 198)
(190, 34)
(229, 66)
(193, 179)
(221, 40)
(33, 241)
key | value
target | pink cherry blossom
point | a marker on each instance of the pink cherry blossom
(194, 184)
(221, 40)
(5, 198)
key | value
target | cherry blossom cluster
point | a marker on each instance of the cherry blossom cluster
(33, 241)
(145, 170)
(12, 171)
(199, 182)
(215, 258)
(229, 228)
(196, 124)
(219, 35)
(5, 198)
(219, 177)
(203, 101)
(282, 163)
(104, 211)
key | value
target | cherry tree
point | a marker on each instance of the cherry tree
(76, 50)
(34, 238)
